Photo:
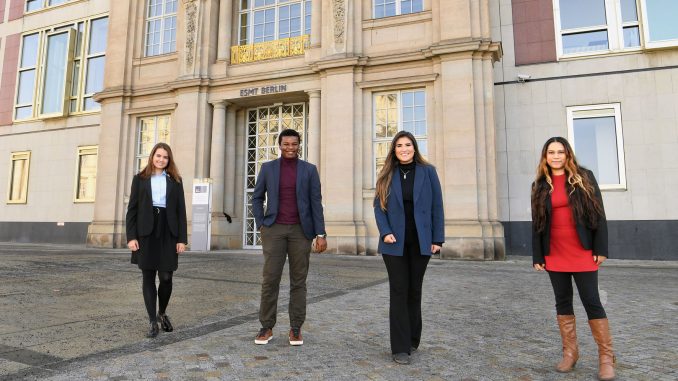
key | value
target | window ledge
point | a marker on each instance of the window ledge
(599, 54)
(149, 60)
(391, 21)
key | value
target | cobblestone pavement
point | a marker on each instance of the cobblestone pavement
(74, 313)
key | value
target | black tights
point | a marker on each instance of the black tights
(163, 292)
(587, 285)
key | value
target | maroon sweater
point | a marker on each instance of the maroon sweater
(288, 214)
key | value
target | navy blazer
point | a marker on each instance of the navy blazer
(309, 198)
(139, 219)
(429, 216)
(591, 239)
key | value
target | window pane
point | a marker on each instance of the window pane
(91, 104)
(29, 50)
(582, 13)
(406, 6)
(146, 136)
(170, 6)
(55, 74)
(26, 83)
(75, 81)
(154, 8)
(423, 147)
(169, 34)
(87, 176)
(97, 40)
(32, 5)
(95, 75)
(629, 11)
(585, 42)
(17, 191)
(596, 147)
(307, 17)
(631, 37)
(417, 5)
(244, 28)
(78, 39)
(55, 2)
(23, 112)
(380, 153)
(661, 15)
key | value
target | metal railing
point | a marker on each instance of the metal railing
(284, 47)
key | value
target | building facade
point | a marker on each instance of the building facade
(603, 74)
(480, 83)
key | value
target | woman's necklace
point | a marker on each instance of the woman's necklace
(404, 173)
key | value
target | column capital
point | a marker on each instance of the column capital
(314, 93)
(220, 104)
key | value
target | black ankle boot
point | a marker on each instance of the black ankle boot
(165, 323)
(153, 331)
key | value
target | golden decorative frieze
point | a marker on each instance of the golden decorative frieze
(284, 47)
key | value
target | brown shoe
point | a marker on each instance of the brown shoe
(264, 336)
(295, 336)
(568, 334)
(601, 334)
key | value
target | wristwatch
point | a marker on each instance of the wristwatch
(321, 236)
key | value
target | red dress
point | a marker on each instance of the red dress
(566, 254)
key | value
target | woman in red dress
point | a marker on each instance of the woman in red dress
(569, 240)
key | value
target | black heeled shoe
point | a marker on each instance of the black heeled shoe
(165, 323)
(153, 331)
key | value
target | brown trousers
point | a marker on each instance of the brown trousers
(280, 241)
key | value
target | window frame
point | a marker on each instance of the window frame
(84, 151)
(398, 4)
(68, 74)
(163, 18)
(614, 28)
(138, 156)
(645, 32)
(14, 156)
(248, 15)
(376, 140)
(81, 56)
(601, 110)
(44, 4)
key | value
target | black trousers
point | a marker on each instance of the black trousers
(587, 285)
(405, 279)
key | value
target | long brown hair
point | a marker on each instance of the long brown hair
(386, 174)
(581, 192)
(171, 168)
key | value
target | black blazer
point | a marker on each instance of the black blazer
(591, 239)
(139, 218)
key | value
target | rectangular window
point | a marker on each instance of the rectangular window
(269, 20)
(396, 111)
(34, 5)
(26, 81)
(388, 8)
(596, 136)
(18, 179)
(86, 178)
(152, 130)
(60, 69)
(161, 27)
(659, 18)
(586, 27)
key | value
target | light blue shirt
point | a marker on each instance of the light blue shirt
(159, 189)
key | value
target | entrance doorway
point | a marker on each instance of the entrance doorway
(263, 126)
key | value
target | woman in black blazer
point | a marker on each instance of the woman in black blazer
(156, 230)
(408, 208)
(569, 240)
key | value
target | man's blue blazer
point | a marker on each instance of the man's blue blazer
(429, 216)
(309, 198)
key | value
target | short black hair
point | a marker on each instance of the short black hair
(288, 132)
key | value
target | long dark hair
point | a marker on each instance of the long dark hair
(581, 192)
(171, 168)
(386, 174)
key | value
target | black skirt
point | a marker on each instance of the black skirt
(158, 251)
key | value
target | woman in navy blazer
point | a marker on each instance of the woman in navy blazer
(408, 208)
(156, 230)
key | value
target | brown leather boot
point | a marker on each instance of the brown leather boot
(601, 334)
(568, 334)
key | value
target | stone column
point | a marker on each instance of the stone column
(218, 155)
(316, 18)
(229, 181)
(225, 22)
(313, 146)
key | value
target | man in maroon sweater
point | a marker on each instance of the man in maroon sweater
(292, 220)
